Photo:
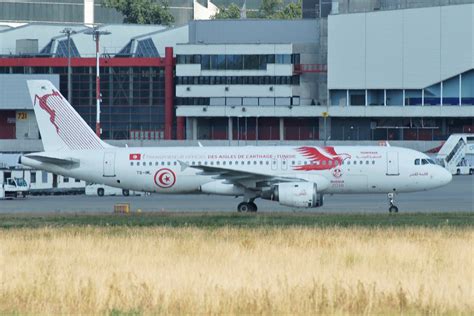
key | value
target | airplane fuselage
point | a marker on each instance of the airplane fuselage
(339, 169)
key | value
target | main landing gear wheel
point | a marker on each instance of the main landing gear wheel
(245, 207)
(392, 208)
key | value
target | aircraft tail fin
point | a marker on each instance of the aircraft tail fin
(61, 127)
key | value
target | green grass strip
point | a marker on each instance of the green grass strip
(215, 220)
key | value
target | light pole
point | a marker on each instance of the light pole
(68, 31)
(96, 33)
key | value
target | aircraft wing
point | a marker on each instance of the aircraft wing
(242, 178)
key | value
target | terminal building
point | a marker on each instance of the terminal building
(351, 71)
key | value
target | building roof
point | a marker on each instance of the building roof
(52, 42)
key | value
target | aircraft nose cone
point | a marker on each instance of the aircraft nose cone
(445, 176)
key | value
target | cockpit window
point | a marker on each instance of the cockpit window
(424, 162)
(431, 161)
(417, 162)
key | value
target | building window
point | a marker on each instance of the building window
(65, 179)
(33, 177)
(44, 177)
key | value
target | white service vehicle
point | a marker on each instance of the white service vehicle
(106, 190)
(455, 153)
(14, 188)
(292, 176)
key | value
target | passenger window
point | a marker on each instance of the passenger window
(373, 162)
(261, 162)
(230, 163)
(150, 163)
(223, 163)
(131, 163)
(361, 162)
(162, 163)
(218, 162)
(348, 162)
(366, 162)
(138, 163)
(174, 163)
(255, 162)
(156, 163)
(212, 163)
(268, 162)
(324, 162)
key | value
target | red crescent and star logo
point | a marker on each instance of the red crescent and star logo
(165, 178)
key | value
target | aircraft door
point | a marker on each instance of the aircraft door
(109, 164)
(274, 164)
(392, 163)
(284, 164)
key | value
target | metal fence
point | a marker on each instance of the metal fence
(354, 6)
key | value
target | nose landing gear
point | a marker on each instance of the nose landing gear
(392, 208)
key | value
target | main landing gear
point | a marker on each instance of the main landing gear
(245, 207)
(392, 208)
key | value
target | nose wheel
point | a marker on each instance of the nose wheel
(391, 200)
(246, 207)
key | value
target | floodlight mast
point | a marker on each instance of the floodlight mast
(68, 31)
(96, 33)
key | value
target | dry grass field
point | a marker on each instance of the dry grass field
(92, 270)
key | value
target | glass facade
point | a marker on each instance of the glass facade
(132, 97)
(395, 128)
(454, 91)
(239, 101)
(237, 62)
(238, 80)
(55, 11)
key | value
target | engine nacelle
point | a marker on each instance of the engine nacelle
(221, 188)
(294, 194)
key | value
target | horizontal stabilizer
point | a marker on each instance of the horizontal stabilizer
(53, 160)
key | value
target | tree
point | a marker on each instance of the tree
(231, 12)
(142, 11)
(269, 8)
(291, 12)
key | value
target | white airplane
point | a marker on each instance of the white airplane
(293, 176)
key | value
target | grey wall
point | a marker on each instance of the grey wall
(14, 91)
(253, 31)
(400, 49)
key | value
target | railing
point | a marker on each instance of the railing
(348, 6)
(310, 68)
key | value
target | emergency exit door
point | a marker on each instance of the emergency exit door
(109, 164)
(392, 164)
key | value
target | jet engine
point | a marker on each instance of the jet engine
(294, 194)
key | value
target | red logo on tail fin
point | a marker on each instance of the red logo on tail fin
(43, 103)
